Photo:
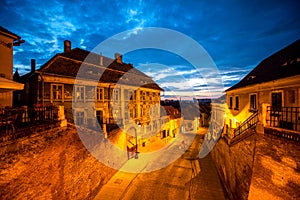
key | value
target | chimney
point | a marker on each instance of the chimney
(67, 45)
(118, 57)
(101, 59)
(32, 65)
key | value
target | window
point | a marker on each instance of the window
(79, 93)
(237, 103)
(79, 118)
(253, 102)
(135, 112)
(90, 92)
(68, 91)
(130, 95)
(230, 102)
(292, 96)
(106, 93)
(276, 101)
(99, 94)
(131, 113)
(141, 95)
(141, 111)
(57, 91)
(116, 95)
(116, 114)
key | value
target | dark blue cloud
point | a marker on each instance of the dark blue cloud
(236, 34)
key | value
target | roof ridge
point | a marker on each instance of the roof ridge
(2, 29)
(270, 68)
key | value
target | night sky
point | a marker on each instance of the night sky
(236, 34)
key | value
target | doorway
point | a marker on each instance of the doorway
(99, 116)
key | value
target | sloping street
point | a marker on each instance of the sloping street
(186, 178)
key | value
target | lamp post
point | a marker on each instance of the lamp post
(136, 148)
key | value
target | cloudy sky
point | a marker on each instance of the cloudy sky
(235, 34)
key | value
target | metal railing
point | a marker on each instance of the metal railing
(247, 124)
(13, 119)
(284, 117)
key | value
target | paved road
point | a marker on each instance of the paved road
(185, 178)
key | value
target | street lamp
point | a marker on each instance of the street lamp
(136, 148)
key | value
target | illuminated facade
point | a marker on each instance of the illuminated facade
(94, 88)
(171, 125)
(271, 91)
(7, 41)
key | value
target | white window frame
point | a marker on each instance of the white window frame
(116, 94)
(79, 92)
(99, 94)
(53, 87)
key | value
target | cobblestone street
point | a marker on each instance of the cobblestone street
(187, 178)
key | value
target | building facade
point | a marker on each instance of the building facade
(94, 90)
(173, 122)
(7, 41)
(270, 93)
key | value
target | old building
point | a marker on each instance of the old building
(173, 123)
(269, 94)
(191, 116)
(94, 88)
(7, 41)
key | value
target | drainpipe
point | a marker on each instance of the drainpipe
(43, 87)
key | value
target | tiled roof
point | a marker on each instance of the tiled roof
(281, 64)
(8, 33)
(189, 110)
(174, 113)
(69, 63)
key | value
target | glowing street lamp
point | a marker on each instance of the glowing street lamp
(136, 143)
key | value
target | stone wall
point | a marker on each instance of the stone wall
(276, 171)
(52, 164)
(262, 166)
(234, 164)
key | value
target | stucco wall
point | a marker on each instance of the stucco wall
(6, 69)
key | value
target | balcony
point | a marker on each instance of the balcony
(284, 117)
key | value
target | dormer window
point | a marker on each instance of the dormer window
(291, 62)
(57, 91)
(250, 78)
